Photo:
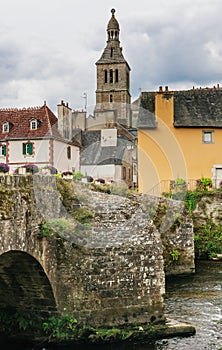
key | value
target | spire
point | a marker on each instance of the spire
(113, 27)
(112, 52)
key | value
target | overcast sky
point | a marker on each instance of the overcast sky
(48, 48)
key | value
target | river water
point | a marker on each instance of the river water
(195, 299)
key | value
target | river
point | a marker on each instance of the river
(195, 299)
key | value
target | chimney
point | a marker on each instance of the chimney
(218, 86)
(160, 89)
(166, 88)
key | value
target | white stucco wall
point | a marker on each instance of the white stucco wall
(106, 172)
(40, 156)
(61, 162)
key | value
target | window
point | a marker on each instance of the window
(116, 75)
(27, 148)
(105, 76)
(111, 52)
(124, 173)
(111, 98)
(127, 80)
(5, 127)
(69, 152)
(3, 150)
(207, 136)
(33, 124)
(111, 76)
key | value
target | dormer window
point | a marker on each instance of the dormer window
(5, 127)
(33, 124)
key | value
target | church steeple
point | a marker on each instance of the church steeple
(113, 27)
(113, 73)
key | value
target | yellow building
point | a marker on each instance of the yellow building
(179, 137)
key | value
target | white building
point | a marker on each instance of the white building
(31, 136)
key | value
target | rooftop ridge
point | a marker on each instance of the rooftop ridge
(15, 109)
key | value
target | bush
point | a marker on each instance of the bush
(4, 168)
(77, 175)
(204, 183)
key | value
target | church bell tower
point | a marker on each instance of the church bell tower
(113, 77)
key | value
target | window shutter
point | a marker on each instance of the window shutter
(4, 150)
(29, 148)
(23, 148)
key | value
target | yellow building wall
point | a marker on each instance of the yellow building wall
(168, 153)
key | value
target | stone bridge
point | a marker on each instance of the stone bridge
(106, 271)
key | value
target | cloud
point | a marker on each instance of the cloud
(48, 51)
(174, 49)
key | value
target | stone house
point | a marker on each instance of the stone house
(179, 137)
(30, 135)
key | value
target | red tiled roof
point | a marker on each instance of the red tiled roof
(19, 120)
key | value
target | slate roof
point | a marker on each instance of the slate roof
(117, 55)
(19, 120)
(146, 116)
(192, 108)
(198, 108)
(94, 154)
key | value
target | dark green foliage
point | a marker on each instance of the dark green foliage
(13, 321)
(67, 328)
(61, 327)
(192, 197)
(208, 240)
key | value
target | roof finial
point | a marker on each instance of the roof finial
(113, 11)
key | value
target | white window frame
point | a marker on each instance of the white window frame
(33, 124)
(207, 136)
(5, 127)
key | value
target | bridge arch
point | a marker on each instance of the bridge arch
(24, 286)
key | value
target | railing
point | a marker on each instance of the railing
(167, 186)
